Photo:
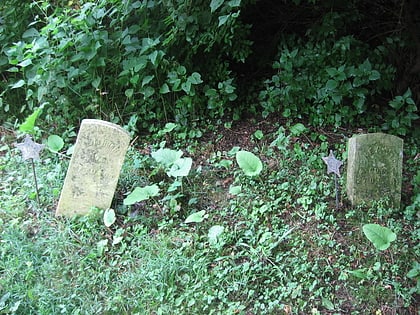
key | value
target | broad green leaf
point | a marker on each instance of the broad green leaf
(55, 143)
(96, 82)
(32, 32)
(129, 93)
(141, 193)
(181, 70)
(214, 232)
(147, 79)
(223, 19)
(365, 66)
(180, 167)
(195, 78)
(29, 124)
(235, 190)
(25, 63)
(153, 57)
(186, 87)
(196, 217)
(331, 71)
(164, 89)
(215, 4)
(18, 84)
(258, 134)
(331, 84)
(109, 217)
(249, 163)
(225, 163)
(211, 93)
(166, 156)
(297, 129)
(147, 91)
(328, 304)
(380, 236)
(414, 272)
(234, 3)
(374, 75)
(168, 128)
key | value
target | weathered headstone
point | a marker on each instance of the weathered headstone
(374, 170)
(94, 168)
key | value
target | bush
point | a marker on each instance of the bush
(327, 80)
(149, 62)
(116, 59)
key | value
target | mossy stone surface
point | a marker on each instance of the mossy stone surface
(374, 169)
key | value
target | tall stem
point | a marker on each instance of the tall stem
(337, 191)
(36, 182)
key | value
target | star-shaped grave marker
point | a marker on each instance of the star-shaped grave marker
(29, 148)
(30, 151)
(333, 165)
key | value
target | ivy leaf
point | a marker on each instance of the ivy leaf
(249, 163)
(223, 19)
(380, 236)
(215, 4)
(195, 78)
(147, 79)
(141, 193)
(164, 89)
(18, 84)
(25, 63)
(196, 217)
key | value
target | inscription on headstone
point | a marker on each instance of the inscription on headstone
(94, 168)
(374, 170)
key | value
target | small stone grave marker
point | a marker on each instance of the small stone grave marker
(374, 169)
(94, 168)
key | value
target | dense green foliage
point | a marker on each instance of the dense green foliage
(155, 60)
(139, 63)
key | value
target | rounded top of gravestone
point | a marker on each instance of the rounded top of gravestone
(378, 135)
(105, 123)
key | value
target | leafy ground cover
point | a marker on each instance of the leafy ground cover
(272, 243)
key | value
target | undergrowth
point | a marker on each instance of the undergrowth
(281, 246)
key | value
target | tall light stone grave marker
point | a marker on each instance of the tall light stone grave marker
(374, 169)
(94, 168)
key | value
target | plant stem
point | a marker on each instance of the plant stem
(36, 182)
(337, 191)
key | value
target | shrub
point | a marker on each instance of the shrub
(329, 80)
(117, 59)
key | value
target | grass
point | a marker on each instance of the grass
(284, 249)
